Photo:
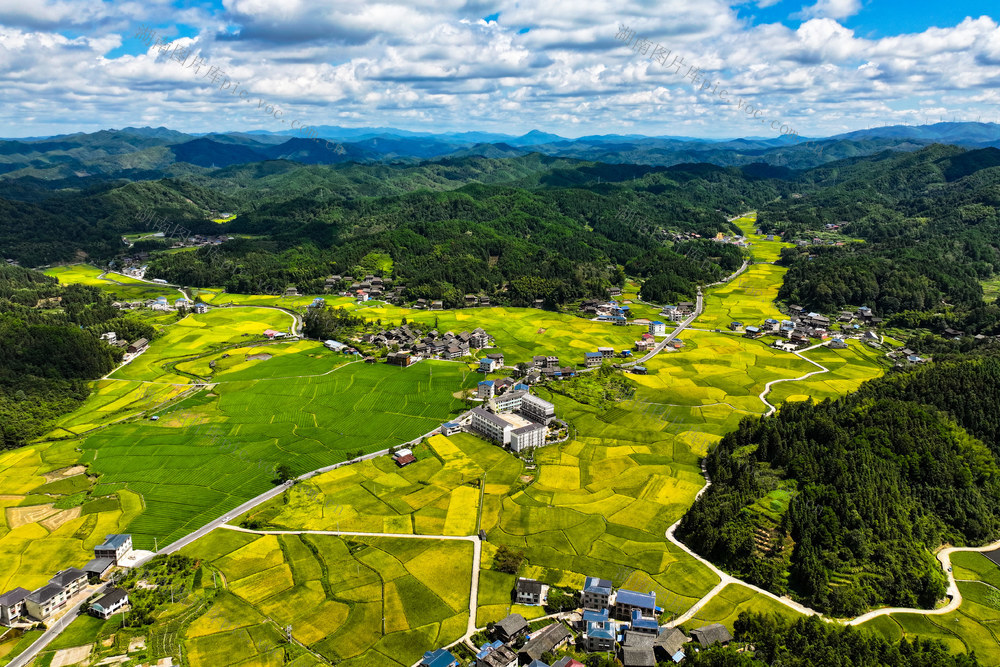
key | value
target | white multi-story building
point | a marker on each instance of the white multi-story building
(526, 437)
(537, 409)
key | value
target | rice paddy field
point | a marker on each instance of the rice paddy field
(197, 334)
(761, 249)
(353, 601)
(52, 516)
(437, 495)
(121, 286)
(266, 360)
(749, 298)
(730, 602)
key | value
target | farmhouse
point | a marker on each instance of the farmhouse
(657, 328)
(108, 604)
(200, 308)
(510, 627)
(593, 359)
(438, 658)
(12, 605)
(628, 601)
(669, 644)
(495, 654)
(97, 568)
(547, 640)
(637, 650)
(672, 313)
(43, 602)
(596, 594)
(711, 634)
(644, 625)
(403, 359)
(450, 428)
(531, 592)
(404, 457)
(599, 631)
(137, 346)
(485, 389)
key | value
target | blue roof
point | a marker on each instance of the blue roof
(438, 658)
(489, 647)
(601, 630)
(489, 382)
(657, 322)
(639, 368)
(634, 599)
(452, 424)
(595, 585)
(677, 657)
(591, 355)
(639, 622)
(114, 541)
(596, 616)
(519, 386)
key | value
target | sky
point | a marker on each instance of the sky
(698, 68)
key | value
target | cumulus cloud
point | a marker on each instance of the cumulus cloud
(437, 65)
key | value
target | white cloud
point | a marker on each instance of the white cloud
(829, 9)
(437, 65)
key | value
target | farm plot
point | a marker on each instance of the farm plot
(199, 334)
(363, 601)
(120, 286)
(265, 361)
(762, 249)
(848, 370)
(113, 400)
(208, 454)
(732, 600)
(749, 298)
(437, 495)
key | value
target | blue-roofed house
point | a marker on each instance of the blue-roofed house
(486, 389)
(450, 428)
(496, 654)
(639, 370)
(753, 332)
(657, 328)
(114, 546)
(181, 303)
(487, 365)
(596, 594)
(520, 387)
(438, 658)
(599, 631)
(644, 624)
(593, 359)
(628, 601)
(200, 308)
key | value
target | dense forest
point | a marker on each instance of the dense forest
(50, 347)
(841, 503)
(808, 642)
(930, 230)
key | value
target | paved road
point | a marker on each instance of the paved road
(797, 353)
(52, 632)
(699, 306)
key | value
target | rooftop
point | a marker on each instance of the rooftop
(14, 596)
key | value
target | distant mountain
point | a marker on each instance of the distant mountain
(961, 134)
(535, 138)
(208, 153)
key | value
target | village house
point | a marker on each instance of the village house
(628, 601)
(496, 654)
(485, 389)
(137, 346)
(614, 291)
(657, 328)
(200, 308)
(599, 631)
(672, 313)
(596, 594)
(510, 627)
(404, 457)
(451, 428)
(593, 359)
(669, 644)
(647, 625)
(116, 547)
(716, 633)
(547, 640)
(531, 592)
(439, 658)
(403, 359)
(637, 650)
(109, 603)
(12, 605)
(45, 601)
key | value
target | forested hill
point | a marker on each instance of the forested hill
(555, 234)
(49, 347)
(931, 230)
(841, 503)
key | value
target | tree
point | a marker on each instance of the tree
(507, 560)
(283, 472)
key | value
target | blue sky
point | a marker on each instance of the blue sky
(816, 68)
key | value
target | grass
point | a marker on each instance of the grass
(748, 299)
(121, 287)
(726, 607)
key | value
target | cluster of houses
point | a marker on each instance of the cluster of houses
(679, 312)
(20, 604)
(514, 418)
(802, 326)
(621, 622)
(163, 304)
(131, 349)
(412, 344)
(367, 289)
(607, 311)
